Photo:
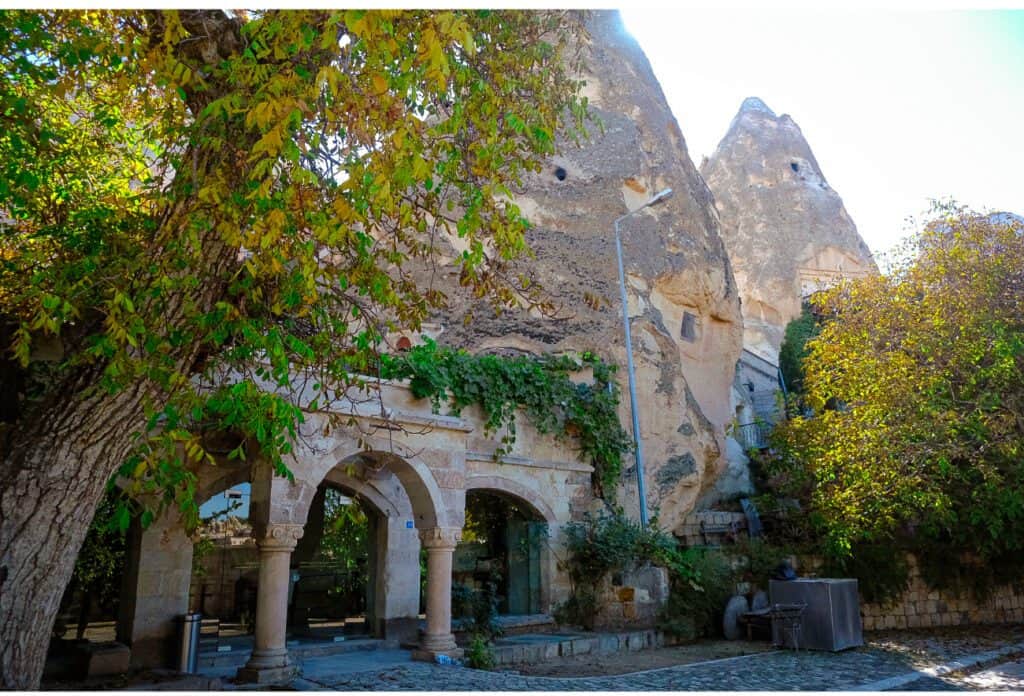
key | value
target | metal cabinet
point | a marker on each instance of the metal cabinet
(831, 620)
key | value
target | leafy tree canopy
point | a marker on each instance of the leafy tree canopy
(926, 365)
(196, 201)
(794, 348)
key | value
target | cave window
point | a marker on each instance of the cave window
(690, 328)
(794, 166)
(560, 173)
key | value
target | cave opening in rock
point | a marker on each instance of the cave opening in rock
(794, 166)
(689, 330)
(560, 173)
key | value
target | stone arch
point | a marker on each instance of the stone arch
(390, 503)
(220, 479)
(516, 490)
(382, 459)
(536, 502)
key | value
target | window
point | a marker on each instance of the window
(690, 330)
(794, 166)
(560, 173)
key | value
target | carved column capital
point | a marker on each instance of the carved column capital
(279, 537)
(440, 537)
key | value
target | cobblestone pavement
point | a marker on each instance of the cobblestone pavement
(1008, 676)
(888, 655)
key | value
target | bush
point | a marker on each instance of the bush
(695, 603)
(700, 581)
(761, 558)
(479, 654)
(881, 570)
(478, 610)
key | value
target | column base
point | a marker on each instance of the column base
(266, 675)
(267, 667)
(425, 655)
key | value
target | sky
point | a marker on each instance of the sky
(220, 502)
(899, 107)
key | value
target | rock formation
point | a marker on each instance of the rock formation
(785, 228)
(682, 298)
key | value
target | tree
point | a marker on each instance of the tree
(794, 348)
(917, 385)
(195, 200)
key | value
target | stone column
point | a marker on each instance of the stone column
(269, 662)
(438, 639)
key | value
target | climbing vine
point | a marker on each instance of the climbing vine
(541, 387)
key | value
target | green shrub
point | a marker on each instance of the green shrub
(479, 654)
(881, 570)
(580, 609)
(695, 603)
(478, 609)
(760, 559)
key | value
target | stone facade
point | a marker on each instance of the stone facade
(923, 607)
(413, 468)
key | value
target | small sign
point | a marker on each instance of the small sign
(408, 524)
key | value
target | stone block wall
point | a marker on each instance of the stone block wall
(922, 607)
(632, 600)
(719, 527)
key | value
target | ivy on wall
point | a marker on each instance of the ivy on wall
(542, 387)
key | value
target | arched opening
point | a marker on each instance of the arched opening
(225, 564)
(502, 552)
(334, 567)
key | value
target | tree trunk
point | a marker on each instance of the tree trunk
(54, 474)
(54, 467)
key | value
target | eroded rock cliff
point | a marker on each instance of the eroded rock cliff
(682, 298)
(785, 229)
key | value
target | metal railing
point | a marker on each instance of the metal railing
(753, 435)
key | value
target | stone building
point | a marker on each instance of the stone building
(414, 469)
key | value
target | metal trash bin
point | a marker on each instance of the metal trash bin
(188, 657)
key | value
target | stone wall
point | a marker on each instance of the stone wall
(632, 599)
(922, 607)
(711, 527)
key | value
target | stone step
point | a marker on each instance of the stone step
(512, 625)
(540, 647)
(297, 649)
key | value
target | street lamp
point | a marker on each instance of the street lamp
(641, 490)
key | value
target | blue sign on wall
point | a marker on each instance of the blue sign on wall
(408, 524)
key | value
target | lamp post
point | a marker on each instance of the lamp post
(641, 489)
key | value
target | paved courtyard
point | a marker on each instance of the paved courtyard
(891, 655)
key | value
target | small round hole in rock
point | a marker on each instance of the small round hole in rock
(794, 166)
(560, 173)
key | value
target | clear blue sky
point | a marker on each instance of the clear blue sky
(219, 503)
(898, 106)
